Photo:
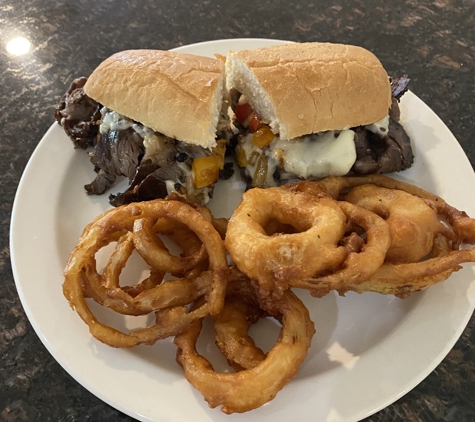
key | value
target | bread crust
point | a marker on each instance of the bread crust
(176, 94)
(314, 87)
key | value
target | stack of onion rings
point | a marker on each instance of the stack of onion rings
(423, 250)
(205, 276)
(275, 261)
(259, 376)
(369, 233)
(316, 247)
(405, 245)
(203, 267)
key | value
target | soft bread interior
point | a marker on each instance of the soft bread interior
(179, 95)
(240, 77)
(216, 106)
(311, 87)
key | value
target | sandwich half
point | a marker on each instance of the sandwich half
(313, 110)
(157, 117)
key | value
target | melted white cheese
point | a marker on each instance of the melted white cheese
(113, 121)
(381, 128)
(151, 143)
(170, 185)
(317, 155)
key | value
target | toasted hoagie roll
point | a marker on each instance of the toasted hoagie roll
(157, 117)
(312, 110)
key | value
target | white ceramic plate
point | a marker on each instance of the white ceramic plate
(368, 350)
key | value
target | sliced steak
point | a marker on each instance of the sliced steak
(375, 154)
(79, 115)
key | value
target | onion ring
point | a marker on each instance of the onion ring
(117, 261)
(154, 253)
(403, 279)
(403, 271)
(334, 185)
(463, 225)
(250, 388)
(415, 231)
(241, 310)
(274, 261)
(147, 296)
(111, 226)
(413, 224)
(359, 265)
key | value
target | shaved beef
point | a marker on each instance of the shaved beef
(145, 186)
(154, 163)
(394, 112)
(398, 135)
(100, 184)
(386, 154)
(78, 114)
(375, 154)
(117, 153)
(366, 158)
(399, 86)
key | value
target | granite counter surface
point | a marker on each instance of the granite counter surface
(432, 41)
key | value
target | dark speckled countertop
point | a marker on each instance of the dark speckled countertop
(432, 41)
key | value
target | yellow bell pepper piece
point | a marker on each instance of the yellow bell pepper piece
(205, 171)
(263, 136)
